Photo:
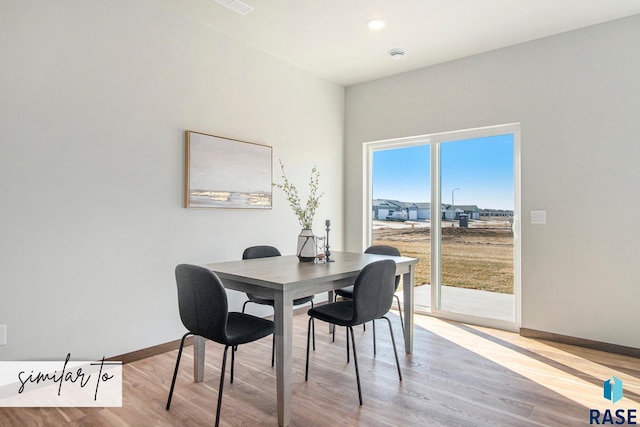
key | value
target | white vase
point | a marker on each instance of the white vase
(306, 246)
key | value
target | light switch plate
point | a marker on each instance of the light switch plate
(3, 334)
(538, 216)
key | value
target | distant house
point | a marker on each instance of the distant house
(383, 209)
(472, 211)
(451, 212)
(423, 211)
(487, 213)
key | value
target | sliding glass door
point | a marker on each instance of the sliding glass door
(452, 200)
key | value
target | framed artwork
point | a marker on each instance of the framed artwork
(226, 173)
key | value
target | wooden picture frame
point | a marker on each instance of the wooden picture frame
(227, 173)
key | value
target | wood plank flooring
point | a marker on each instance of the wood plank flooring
(458, 375)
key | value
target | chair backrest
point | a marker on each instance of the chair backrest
(202, 301)
(384, 250)
(260, 252)
(373, 291)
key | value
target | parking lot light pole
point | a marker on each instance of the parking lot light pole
(452, 195)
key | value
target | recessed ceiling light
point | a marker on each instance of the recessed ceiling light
(397, 54)
(376, 24)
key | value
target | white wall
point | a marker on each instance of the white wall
(577, 96)
(94, 101)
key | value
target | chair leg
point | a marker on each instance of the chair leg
(355, 362)
(224, 364)
(347, 332)
(374, 337)
(400, 312)
(245, 304)
(175, 371)
(306, 369)
(313, 327)
(233, 361)
(395, 352)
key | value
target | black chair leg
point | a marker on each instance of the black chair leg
(347, 332)
(273, 350)
(224, 365)
(306, 369)
(395, 352)
(313, 327)
(175, 371)
(355, 362)
(374, 337)
(400, 312)
(233, 361)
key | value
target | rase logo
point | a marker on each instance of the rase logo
(612, 391)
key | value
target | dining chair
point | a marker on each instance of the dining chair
(203, 307)
(347, 292)
(263, 251)
(372, 298)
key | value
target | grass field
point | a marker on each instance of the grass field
(473, 258)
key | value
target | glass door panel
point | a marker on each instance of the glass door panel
(476, 234)
(401, 210)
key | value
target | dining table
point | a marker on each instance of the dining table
(285, 278)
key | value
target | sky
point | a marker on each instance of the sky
(480, 169)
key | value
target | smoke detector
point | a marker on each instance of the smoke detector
(397, 54)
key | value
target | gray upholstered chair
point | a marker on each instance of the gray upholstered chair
(202, 302)
(372, 297)
(267, 252)
(347, 292)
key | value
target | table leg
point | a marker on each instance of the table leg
(283, 318)
(198, 358)
(408, 290)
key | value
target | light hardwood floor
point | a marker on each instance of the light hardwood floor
(459, 375)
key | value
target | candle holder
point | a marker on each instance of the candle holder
(327, 252)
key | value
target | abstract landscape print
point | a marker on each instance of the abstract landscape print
(226, 173)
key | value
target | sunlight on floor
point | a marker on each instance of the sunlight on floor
(542, 363)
